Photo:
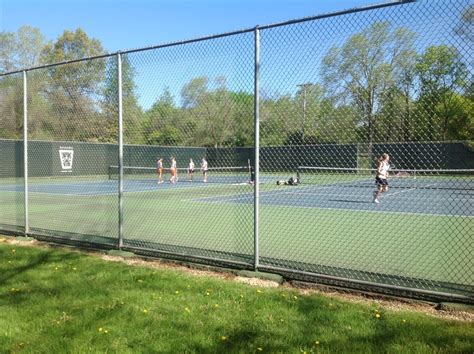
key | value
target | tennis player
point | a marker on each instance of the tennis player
(190, 170)
(381, 176)
(204, 169)
(159, 169)
(173, 171)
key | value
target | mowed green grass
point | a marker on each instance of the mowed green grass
(401, 244)
(57, 301)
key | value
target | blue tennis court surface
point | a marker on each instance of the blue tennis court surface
(402, 200)
(413, 201)
(92, 187)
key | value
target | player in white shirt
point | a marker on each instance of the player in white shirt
(159, 169)
(381, 176)
(204, 169)
(190, 170)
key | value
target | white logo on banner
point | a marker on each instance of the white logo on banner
(66, 155)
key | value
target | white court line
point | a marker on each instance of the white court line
(362, 211)
(226, 198)
(394, 193)
(270, 193)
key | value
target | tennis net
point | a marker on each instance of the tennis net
(462, 179)
(230, 175)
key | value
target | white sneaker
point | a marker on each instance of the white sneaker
(376, 201)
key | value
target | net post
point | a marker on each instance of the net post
(120, 152)
(257, 147)
(25, 152)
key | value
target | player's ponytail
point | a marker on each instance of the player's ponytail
(383, 157)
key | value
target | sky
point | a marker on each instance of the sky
(129, 24)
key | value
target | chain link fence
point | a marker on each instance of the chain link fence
(259, 149)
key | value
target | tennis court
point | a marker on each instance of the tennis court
(439, 195)
(332, 225)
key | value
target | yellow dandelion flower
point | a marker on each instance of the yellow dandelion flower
(176, 292)
(295, 297)
(404, 321)
(74, 268)
(260, 349)
(56, 268)
(223, 338)
(241, 296)
(377, 315)
(317, 342)
(208, 293)
(259, 291)
(145, 311)
(187, 309)
(13, 250)
(216, 305)
(101, 329)
(106, 331)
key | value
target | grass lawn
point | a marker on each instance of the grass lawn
(58, 301)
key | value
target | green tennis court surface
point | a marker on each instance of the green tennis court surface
(319, 226)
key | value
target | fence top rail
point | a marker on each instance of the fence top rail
(199, 39)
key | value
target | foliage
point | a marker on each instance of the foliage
(374, 87)
(20, 50)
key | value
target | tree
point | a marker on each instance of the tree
(442, 76)
(161, 122)
(365, 67)
(211, 110)
(465, 27)
(277, 121)
(20, 50)
(17, 51)
(74, 90)
(132, 112)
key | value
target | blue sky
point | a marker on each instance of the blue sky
(127, 24)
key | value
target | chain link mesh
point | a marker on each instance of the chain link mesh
(11, 153)
(339, 92)
(72, 139)
(336, 93)
(196, 105)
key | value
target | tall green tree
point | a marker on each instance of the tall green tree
(465, 27)
(74, 90)
(364, 68)
(19, 50)
(443, 76)
(132, 112)
(161, 122)
(212, 110)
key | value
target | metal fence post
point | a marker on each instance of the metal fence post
(257, 147)
(120, 142)
(25, 151)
